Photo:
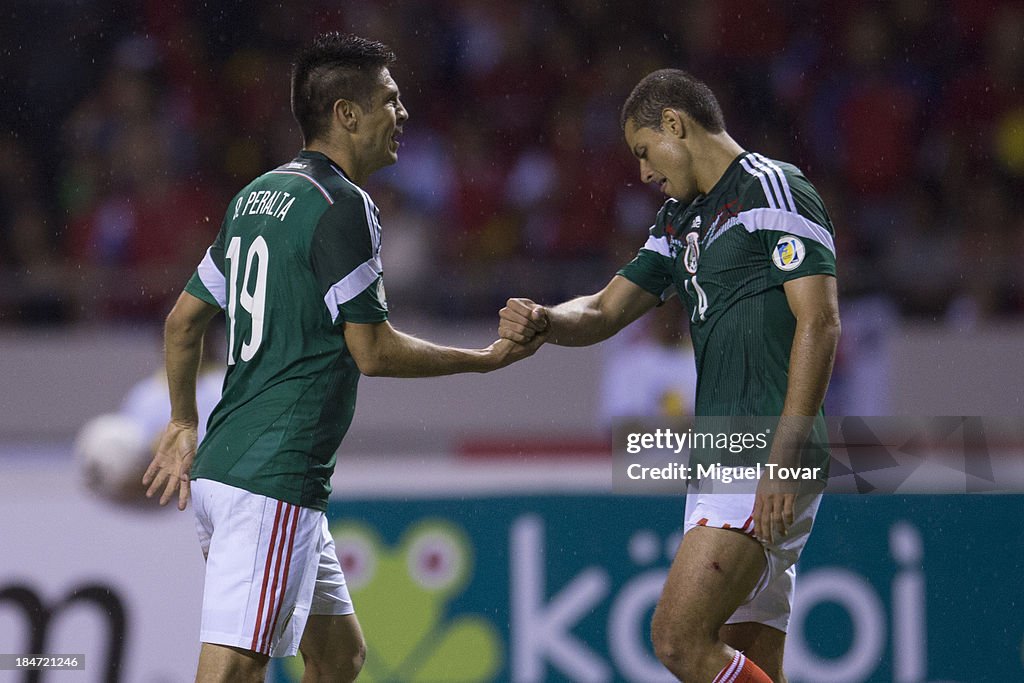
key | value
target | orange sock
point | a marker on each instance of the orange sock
(741, 670)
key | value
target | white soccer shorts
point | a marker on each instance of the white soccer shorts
(771, 601)
(269, 565)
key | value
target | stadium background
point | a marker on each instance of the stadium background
(128, 125)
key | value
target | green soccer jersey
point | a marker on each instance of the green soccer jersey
(727, 255)
(298, 255)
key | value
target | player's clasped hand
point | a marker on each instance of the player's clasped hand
(773, 510)
(507, 352)
(521, 320)
(172, 464)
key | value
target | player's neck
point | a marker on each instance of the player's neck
(342, 157)
(714, 155)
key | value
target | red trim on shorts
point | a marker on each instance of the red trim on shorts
(266, 579)
(284, 580)
(274, 594)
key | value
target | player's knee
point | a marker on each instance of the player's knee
(242, 673)
(358, 659)
(231, 665)
(668, 646)
(679, 646)
(666, 649)
(342, 666)
(672, 651)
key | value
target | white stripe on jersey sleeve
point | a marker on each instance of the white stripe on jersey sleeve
(658, 245)
(760, 175)
(213, 280)
(787, 195)
(776, 178)
(351, 286)
(788, 222)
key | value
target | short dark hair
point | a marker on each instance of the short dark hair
(334, 66)
(675, 89)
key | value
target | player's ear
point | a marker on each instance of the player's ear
(347, 113)
(673, 122)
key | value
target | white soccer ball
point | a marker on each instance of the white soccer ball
(112, 455)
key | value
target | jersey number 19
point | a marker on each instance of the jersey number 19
(250, 292)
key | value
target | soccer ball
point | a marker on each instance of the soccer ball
(112, 455)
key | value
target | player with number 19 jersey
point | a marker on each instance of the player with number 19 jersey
(298, 255)
(727, 254)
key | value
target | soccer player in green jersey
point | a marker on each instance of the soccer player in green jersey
(746, 242)
(297, 268)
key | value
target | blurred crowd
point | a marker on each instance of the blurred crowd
(128, 126)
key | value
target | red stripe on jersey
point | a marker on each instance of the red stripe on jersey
(274, 594)
(266, 579)
(310, 179)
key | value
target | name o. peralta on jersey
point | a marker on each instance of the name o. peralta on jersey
(727, 255)
(298, 255)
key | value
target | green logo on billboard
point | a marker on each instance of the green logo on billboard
(401, 596)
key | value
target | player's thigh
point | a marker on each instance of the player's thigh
(224, 664)
(713, 572)
(762, 644)
(332, 642)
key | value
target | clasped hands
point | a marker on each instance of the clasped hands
(521, 320)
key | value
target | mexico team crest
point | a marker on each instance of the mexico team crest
(789, 253)
(692, 253)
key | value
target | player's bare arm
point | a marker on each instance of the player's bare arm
(582, 321)
(183, 350)
(382, 351)
(815, 305)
